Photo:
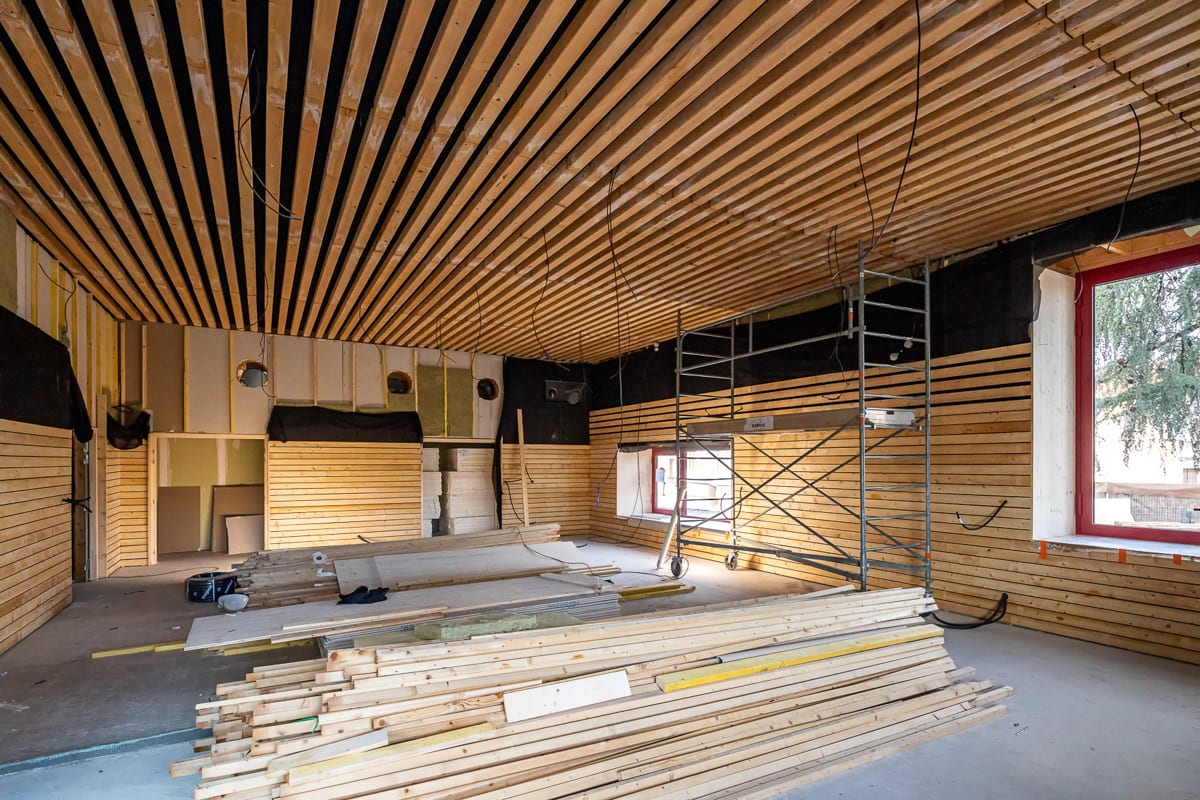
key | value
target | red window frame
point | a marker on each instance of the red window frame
(682, 466)
(1085, 407)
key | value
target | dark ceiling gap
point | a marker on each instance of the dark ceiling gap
(214, 32)
(54, 123)
(92, 45)
(481, 96)
(169, 19)
(343, 39)
(427, 124)
(133, 46)
(374, 78)
(446, 276)
(300, 38)
(256, 44)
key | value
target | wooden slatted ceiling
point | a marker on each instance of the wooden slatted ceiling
(982, 438)
(35, 527)
(341, 169)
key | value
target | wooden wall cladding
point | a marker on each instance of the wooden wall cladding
(982, 437)
(35, 527)
(127, 528)
(327, 493)
(560, 489)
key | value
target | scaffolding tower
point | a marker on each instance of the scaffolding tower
(706, 360)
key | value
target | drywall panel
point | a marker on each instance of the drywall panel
(487, 412)
(164, 376)
(206, 361)
(369, 390)
(292, 369)
(131, 362)
(35, 528)
(402, 359)
(251, 406)
(334, 371)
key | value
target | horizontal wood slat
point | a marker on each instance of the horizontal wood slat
(127, 489)
(982, 439)
(332, 493)
(35, 528)
(560, 489)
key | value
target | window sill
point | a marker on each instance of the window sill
(1139, 546)
(662, 521)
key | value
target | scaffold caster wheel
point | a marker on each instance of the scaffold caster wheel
(731, 561)
(676, 567)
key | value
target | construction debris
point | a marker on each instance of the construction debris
(739, 700)
(301, 575)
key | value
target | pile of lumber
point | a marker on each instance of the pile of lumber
(740, 700)
(283, 577)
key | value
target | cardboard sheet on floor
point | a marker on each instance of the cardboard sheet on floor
(260, 625)
(480, 563)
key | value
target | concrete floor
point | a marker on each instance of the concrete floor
(1086, 722)
(55, 697)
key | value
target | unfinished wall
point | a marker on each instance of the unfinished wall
(982, 443)
(560, 489)
(35, 527)
(329, 493)
(125, 506)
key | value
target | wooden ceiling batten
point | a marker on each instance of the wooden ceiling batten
(427, 148)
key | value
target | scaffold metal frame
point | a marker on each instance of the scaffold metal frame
(718, 427)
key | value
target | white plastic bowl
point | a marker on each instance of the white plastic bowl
(233, 602)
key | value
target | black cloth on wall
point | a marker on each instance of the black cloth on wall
(319, 424)
(37, 384)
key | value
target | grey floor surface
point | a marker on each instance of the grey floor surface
(1086, 721)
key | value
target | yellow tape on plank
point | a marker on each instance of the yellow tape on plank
(802, 655)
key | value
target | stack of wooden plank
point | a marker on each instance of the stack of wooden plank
(739, 700)
(282, 577)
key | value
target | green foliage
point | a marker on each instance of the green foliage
(1147, 359)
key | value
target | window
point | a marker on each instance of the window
(705, 477)
(1138, 399)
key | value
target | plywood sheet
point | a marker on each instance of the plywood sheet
(179, 519)
(480, 563)
(244, 533)
(232, 501)
(262, 624)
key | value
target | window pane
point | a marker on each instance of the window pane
(664, 483)
(1147, 385)
(708, 484)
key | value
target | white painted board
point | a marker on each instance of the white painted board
(565, 695)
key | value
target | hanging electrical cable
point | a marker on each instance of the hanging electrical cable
(996, 615)
(912, 138)
(246, 163)
(1136, 166)
(991, 518)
